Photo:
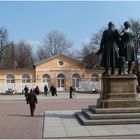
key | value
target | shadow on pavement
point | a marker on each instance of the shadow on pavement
(20, 115)
(64, 116)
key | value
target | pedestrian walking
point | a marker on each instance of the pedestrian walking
(53, 90)
(26, 90)
(32, 101)
(37, 91)
(71, 90)
(45, 90)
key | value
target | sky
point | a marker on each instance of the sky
(78, 20)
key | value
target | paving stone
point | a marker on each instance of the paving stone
(100, 132)
(116, 127)
(69, 127)
(121, 132)
(98, 128)
(78, 133)
(53, 134)
(56, 128)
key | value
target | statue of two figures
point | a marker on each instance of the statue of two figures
(117, 49)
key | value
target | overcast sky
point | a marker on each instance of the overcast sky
(78, 20)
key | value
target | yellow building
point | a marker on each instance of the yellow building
(60, 70)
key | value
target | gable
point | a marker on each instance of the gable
(59, 62)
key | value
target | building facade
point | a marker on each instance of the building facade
(61, 71)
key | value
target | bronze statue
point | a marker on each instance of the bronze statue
(126, 48)
(109, 48)
(122, 65)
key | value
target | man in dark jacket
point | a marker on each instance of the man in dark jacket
(53, 90)
(32, 101)
(45, 90)
(71, 90)
(26, 90)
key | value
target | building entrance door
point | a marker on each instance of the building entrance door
(60, 82)
(75, 81)
(46, 80)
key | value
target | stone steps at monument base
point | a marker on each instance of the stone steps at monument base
(85, 121)
(90, 115)
(118, 103)
(119, 96)
(114, 110)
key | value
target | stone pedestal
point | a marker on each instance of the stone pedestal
(118, 103)
(119, 91)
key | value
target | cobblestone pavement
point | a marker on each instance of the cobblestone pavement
(15, 120)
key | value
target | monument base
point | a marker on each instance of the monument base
(118, 104)
(118, 92)
(108, 116)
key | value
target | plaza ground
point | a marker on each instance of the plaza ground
(15, 120)
(16, 123)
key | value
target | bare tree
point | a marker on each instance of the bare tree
(88, 56)
(56, 43)
(135, 26)
(4, 43)
(24, 55)
(88, 52)
(41, 54)
(95, 39)
(9, 57)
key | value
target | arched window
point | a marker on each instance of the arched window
(26, 78)
(10, 78)
(46, 79)
(61, 81)
(75, 80)
(94, 77)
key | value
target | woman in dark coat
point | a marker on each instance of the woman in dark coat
(127, 46)
(37, 91)
(53, 90)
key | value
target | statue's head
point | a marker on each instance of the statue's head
(126, 24)
(111, 24)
